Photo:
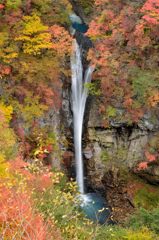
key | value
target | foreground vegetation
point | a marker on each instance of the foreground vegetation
(43, 204)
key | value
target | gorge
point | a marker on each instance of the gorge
(114, 151)
(79, 120)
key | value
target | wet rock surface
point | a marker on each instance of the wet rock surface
(118, 196)
(151, 174)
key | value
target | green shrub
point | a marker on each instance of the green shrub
(87, 5)
(60, 204)
(118, 233)
(146, 199)
(13, 4)
(143, 234)
(149, 219)
(110, 233)
(93, 88)
(111, 112)
(142, 83)
(105, 156)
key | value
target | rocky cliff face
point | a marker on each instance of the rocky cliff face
(112, 156)
(121, 146)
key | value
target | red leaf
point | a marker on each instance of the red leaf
(1, 6)
(142, 166)
(150, 157)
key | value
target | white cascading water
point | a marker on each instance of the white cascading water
(79, 96)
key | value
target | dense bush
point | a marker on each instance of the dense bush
(149, 219)
(147, 199)
(118, 233)
(61, 204)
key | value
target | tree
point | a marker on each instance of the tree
(34, 35)
(7, 139)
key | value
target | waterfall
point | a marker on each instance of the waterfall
(79, 96)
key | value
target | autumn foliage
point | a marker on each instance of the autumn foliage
(17, 217)
(125, 37)
(35, 47)
(151, 154)
(32, 62)
(31, 69)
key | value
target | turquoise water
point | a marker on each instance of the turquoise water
(80, 27)
(95, 208)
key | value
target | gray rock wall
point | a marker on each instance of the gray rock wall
(119, 147)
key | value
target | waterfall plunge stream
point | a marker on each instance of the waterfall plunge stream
(79, 97)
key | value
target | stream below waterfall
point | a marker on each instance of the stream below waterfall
(95, 208)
